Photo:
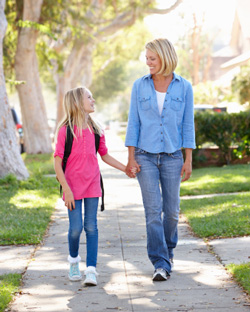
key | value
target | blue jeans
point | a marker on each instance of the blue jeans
(90, 228)
(159, 179)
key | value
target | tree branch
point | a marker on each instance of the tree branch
(128, 18)
(163, 11)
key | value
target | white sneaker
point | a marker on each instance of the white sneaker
(91, 274)
(74, 272)
(160, 275)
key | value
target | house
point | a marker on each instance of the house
(227, 61)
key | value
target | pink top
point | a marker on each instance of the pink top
(82, 170)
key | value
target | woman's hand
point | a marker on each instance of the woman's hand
(186, 170)
(69, 199)
(132, 168)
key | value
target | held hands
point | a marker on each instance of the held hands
(132, 168)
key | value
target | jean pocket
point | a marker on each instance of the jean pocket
(176, 155)
(139, 151)
(145, 102)
(176, 103)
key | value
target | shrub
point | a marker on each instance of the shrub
(226, 131)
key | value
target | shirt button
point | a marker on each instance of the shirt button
(161, 140)
(160, 124)
(161, 132)
(162, 116)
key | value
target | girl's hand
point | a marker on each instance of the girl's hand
(69, 200)
(132, 168)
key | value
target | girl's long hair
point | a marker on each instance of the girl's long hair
(75, 114)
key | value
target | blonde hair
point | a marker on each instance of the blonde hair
(166, 52)
(75, 114)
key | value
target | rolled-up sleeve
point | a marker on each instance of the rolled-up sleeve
(102, 150)
(133, 128)
(188, 130)
(60, 142)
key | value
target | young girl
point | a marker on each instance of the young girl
(81, 180)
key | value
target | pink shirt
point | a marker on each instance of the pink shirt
(82, 170)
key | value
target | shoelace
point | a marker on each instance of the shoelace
(74, 269)
(91, 276)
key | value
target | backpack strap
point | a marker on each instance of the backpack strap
(67, 149)
(97, 143)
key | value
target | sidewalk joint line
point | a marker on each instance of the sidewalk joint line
(123, 260)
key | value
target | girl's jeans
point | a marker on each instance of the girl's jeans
(159, 179)
(90, 228)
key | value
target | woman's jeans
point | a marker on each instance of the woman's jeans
(90, 228)
(159, 179)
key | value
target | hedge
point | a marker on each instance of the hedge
(230, 132)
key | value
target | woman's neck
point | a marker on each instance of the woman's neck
(161, 82)
(161, 78)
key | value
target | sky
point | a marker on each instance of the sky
(218, 15)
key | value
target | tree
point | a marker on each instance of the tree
(241, 85)
(113, 62)
(34, 117)
(195, 49)
(10, 158)
(79, 27)
(90, 24)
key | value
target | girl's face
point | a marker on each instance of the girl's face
(88, 102)
(153, 61)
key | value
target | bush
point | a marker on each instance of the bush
(224, 130)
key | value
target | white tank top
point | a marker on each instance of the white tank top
(160, 100)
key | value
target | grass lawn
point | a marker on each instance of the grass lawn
(9, 284)
(26, 206)
(25, 212)
(218, 217)
(227, 179)
(241, 272)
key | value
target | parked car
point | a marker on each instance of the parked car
(19, 129)
(208, 107)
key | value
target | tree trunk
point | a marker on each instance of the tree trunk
(10, 158)
(80, 60)
(34, 117)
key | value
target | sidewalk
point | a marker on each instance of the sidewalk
(198, 283)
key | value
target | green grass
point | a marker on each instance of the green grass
(241, 272)
(227, 179)
(39, 164)
(9, 284)
(218, 217)
(26, 206)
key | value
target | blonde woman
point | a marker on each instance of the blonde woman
(81, 180)
(161, 122)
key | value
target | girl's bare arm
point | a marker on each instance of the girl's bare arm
(113, 162)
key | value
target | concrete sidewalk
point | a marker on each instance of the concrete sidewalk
(198, 283)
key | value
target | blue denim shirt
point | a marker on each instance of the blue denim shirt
(171, 130)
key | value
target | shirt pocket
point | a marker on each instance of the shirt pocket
(145, 102)
(176, 103)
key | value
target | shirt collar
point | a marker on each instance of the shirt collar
(176, 77)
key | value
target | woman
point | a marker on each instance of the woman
(161, 122)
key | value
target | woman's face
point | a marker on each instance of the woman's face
(153, 61)
(88, 102)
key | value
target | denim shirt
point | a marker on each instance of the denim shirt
(165, 133)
